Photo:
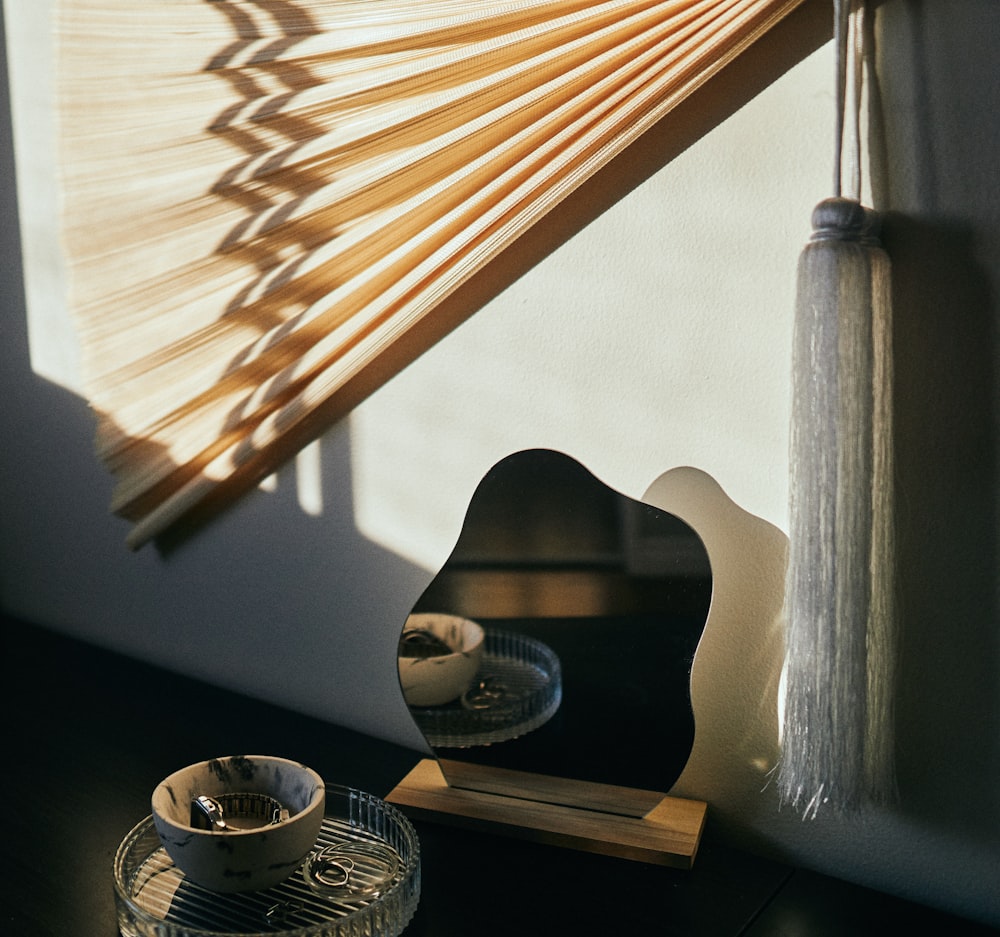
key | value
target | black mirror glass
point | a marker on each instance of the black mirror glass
(591, 606)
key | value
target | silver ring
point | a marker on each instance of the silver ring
(325, 862)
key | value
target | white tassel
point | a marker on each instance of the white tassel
(837, 739)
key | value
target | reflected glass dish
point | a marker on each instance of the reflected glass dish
(517, 689)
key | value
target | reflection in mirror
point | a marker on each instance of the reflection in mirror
(558, 637)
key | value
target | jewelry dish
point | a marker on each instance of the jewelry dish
(361, 876)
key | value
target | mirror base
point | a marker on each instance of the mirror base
(669, 834)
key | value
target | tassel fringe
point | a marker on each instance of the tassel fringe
(882, 636)
(836, 744)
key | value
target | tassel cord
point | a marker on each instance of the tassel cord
(849, 39)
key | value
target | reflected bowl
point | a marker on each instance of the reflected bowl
(444, 675)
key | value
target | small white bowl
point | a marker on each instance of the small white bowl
(240, 859)
(441, 678)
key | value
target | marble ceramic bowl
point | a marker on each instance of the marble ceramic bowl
(250, 852)
(441, 678)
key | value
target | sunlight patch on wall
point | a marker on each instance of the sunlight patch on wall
(658, 336)
(309, 479)
(30, 62)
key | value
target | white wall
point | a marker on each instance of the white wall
(657, 336)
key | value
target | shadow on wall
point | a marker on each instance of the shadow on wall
(293, 590)
(946, 445)
(935, 150)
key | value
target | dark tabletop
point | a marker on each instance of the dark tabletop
(89, 734)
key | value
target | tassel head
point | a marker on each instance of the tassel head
(839, 219)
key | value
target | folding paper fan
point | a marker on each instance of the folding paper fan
(262, 198)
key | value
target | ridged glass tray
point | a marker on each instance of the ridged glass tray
(376, 898)
(517, 689)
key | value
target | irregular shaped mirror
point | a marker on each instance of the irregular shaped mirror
(558, 637)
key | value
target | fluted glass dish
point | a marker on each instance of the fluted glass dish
(362, 879)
